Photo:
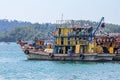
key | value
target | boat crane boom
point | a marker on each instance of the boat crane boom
(98, 26)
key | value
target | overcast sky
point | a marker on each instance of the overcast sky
(51, 10)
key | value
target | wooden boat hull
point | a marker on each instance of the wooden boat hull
(32, 55)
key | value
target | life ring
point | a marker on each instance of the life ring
(26, 52)
(51, 55)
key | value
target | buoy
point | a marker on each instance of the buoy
(26, 51)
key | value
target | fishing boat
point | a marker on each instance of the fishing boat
(72, 43)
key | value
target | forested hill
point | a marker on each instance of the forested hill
(30, 31)
(6, 25)
(27, 32)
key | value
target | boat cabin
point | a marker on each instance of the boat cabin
(72, 39)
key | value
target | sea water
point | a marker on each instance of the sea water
(15, 66)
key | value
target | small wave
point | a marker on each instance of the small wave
(2, 78)
(3, 43)
(7, 43)
(9, 60)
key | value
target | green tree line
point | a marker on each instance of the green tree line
(42, 30)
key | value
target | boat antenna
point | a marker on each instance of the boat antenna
(61, 19)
